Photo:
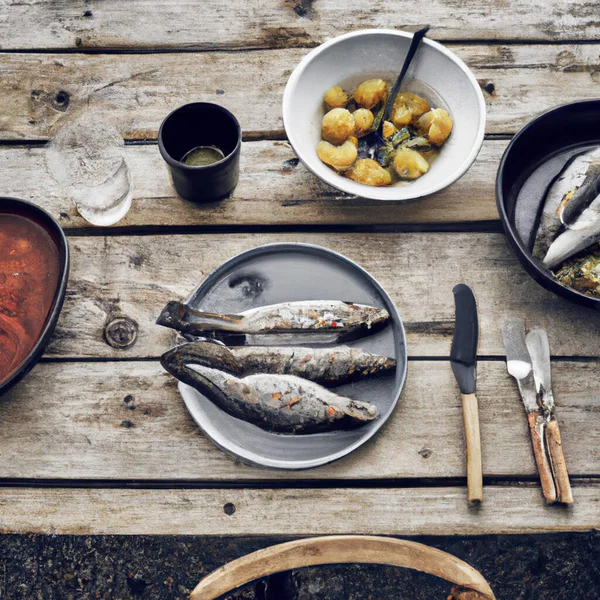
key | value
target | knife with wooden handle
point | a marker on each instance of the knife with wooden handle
(519, 365)
(537, 429)
(539, 350)
(463, 358)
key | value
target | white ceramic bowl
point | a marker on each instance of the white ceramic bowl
(354, 57)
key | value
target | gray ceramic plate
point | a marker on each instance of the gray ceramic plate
(282, 273)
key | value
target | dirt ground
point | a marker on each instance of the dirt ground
(60, 567)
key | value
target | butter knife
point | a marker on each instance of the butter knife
(463, 359)
(539, 349)
(520, 366)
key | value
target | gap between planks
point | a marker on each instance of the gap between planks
(577, 482)
(258, 136)
(442, 359)
(225, 49)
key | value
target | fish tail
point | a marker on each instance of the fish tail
(171, 315)
(186, 319)
(206, 354)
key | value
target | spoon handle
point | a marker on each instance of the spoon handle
(412, 50)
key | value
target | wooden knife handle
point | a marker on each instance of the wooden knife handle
(536, 428)
(557, 461)
(474, 468)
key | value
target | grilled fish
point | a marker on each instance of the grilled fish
(276, 403)
(559, 196)
(590, 188)
(341, 318)
(325, 366)
(584, 232)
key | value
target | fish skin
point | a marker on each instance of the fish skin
(585, 194)
(276, 403)
(570, 178)
(584, 232)
(325, 366)
(334, 316)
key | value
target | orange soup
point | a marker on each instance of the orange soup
(29, 273)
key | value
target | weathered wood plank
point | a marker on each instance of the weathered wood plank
(274, 189)
(127, 421)
(441, 511)
(278, 23)
(136, 92)
(135, 276)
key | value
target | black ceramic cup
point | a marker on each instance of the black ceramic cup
(201, 124)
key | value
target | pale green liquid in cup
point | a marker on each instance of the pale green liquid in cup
(202, 156)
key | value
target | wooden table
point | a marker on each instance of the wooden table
(97, 440)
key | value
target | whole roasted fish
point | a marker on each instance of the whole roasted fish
(582, 198)
(277, 403)
(325, 366)
(581, 234)
(340, 318)
(559, 196)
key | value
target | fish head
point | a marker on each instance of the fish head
(177, 360)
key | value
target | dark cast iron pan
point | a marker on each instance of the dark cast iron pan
(532, 161)
(36, 214)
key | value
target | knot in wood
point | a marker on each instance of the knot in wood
(61, 100)
(425, 452)
(121, 333)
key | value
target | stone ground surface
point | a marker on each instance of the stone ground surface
(523, 567)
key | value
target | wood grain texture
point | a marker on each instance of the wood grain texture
(278, 23)
(136, 92)
(557, 460)
(435, 511)
(538, 443)
(473, 439)
(339, 550)
(135, 276)
(127, 421)
(274, 189)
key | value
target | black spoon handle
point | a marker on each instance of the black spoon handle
(414, 46)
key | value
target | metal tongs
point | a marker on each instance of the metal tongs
(528, 361)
